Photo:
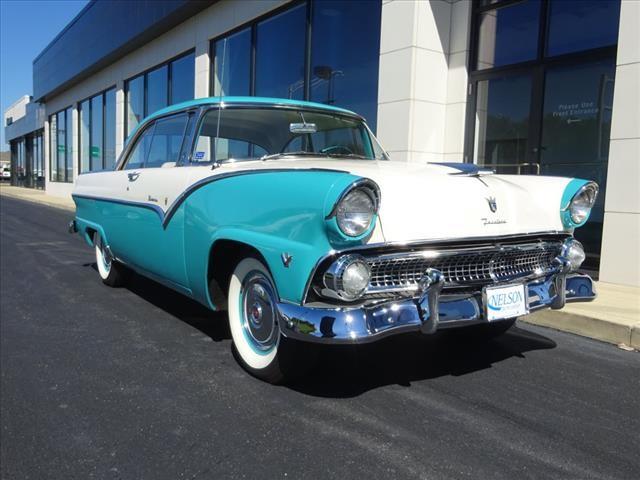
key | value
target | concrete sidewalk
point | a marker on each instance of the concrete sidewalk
(613, 317)
(38, 196)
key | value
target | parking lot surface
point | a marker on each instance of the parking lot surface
(140, 382)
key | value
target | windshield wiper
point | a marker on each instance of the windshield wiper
(347, 155)
(290, 154)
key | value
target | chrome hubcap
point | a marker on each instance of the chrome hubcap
(259, 312)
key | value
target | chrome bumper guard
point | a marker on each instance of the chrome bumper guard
(433, 310)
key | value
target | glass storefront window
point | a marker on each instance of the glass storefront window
(576, 25)
(97, 130)
(346, 76)
(280, 55)
(173, 82)
(109, 129)
(95, 153)
(135, 102)
(231, 71)
(62, 146)
(183, 79)
(508, 35)
(85, 128)
(53, 148)
(576, 125)
(502, 122)
(157, 90)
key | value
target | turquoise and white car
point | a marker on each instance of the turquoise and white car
(291, 216)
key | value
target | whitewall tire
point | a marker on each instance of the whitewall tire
(253, 320)
(111, 272)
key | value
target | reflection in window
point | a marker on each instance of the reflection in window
(85, 135)
(97, 132)
(249, 133)
(576, 25)
(576, 126)
(60, 146)
(157, 90)
(347, 77)
(502, 121)
(138, 154)
(166, 142)
(96, 151)
(110, 129)
(231, 64)
(135, 103)
(171, 83)
(280, 55)
(182, 79)
(53, 148)
(508, 35)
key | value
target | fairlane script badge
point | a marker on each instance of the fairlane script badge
(506, 302)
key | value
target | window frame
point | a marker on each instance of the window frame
(68, 123)
(248, 105)
(187, 137)
(103, 94)
(144, 74)
(536, 68)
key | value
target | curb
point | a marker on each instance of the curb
(607, 331)
(39, 200)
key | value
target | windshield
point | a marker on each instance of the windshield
(243, 134)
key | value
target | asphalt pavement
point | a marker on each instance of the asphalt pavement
(140, 383)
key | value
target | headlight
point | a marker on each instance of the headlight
(347, 278)
(573, 251)
(582, 203)
(355, 212)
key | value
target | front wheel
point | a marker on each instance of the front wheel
(253, 320)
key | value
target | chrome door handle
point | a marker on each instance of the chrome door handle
(133, 176)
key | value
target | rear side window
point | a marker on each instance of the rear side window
(160, 143)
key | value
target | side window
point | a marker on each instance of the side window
(167, 141)
(138, 154)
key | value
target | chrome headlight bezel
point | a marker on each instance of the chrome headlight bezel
(582, 203)
(363, 190)
(578, 209)
(334, 278)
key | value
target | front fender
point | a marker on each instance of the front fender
(274, 212)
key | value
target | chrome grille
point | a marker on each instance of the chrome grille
(398, 272)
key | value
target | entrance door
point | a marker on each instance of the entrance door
(574, 137)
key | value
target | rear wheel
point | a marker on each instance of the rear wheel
(253, 320)
(111, 271)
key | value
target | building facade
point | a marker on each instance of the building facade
(544, 87)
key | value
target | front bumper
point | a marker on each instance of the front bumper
(434, 310)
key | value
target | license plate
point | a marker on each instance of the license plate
(507, 301)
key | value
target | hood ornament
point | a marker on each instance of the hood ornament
(493, 206)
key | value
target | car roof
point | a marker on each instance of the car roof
(266, 101)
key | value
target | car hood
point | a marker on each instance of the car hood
(431, 201)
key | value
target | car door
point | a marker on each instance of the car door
(154, 182)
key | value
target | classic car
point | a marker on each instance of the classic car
(290, 216)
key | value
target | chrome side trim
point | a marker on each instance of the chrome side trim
(119, 201)
(165, 217)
